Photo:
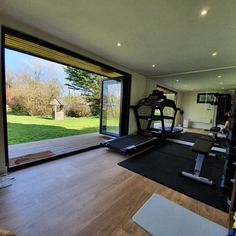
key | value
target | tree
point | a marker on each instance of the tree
(87, 83)
(30, 94)
(9, 82)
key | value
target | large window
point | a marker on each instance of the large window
(53, 95)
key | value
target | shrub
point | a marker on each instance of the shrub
(77, 107)
(18, 109)
(33, 97)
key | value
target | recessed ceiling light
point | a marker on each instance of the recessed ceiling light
(204, 12)
(221, 83)
(153, 65)
(214, 54)
(219, 76)
(118, 44)
(177, 80)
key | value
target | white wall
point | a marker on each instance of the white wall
(151, 85)
(179, 99)
(138, 91)
(200, 115)
(138, 84)
(178, 120)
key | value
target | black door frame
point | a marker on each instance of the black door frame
(4, 102)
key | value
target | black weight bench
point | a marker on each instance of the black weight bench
(203, 148)
(214, 132)
(215, 129)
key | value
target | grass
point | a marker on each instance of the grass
(23, 129)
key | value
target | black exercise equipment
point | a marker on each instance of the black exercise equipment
(230, 166)
(163, 163)
(131, 143)
(160, 109)
(215, 129)
(154, 110)
(155, 104)
(203, 148)
(218, 136)
(223, 105)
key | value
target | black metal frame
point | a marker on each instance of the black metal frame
(7, 30)
(4, 115)
(59, 156)
(125, 101)
(152, 117)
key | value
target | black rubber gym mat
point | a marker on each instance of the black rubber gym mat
(165, 162)
(192, 137)
(189, 137)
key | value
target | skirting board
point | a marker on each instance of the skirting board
(162, 217)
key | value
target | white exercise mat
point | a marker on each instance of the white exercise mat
(162, 217)
(6, 180)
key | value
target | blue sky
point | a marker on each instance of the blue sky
(18, 62)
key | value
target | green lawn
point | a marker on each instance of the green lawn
(22, 129)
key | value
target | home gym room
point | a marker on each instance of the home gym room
(169, 170)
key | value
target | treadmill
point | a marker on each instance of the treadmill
(130, 144)
(147, 111)
(163, 110)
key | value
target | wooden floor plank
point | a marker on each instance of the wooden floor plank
(84, 194)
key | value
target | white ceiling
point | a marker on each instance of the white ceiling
(168, 33)
(212, 80)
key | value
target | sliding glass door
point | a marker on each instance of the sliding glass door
(111, 107)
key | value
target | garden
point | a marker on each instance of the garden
(29, 109)
(31, 97)
(23, 129)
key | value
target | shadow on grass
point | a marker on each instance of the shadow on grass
(23, 133)
(46, 118)
(50, 118)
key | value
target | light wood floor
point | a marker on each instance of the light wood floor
(84, 194)
(198, 131)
